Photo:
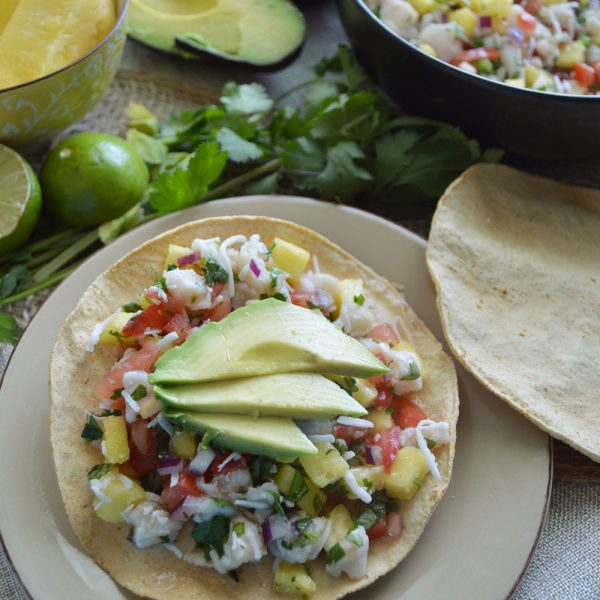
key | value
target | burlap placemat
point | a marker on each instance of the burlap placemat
(566, 563)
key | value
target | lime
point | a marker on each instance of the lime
(20, 201)
(91, 178)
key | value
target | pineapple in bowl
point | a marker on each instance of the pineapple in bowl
(57, 57)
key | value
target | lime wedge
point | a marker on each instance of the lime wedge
(20, 201)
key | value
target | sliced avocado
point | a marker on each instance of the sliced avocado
(296, 395)
(275, 437)
(259, 32)
(264, 338)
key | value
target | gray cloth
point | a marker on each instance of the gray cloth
(566, 564)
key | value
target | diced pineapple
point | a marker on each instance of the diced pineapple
(149, 406)
(381, 420)
(405, 346)
(341, 524)
(537, 78)
(424, 6)
(596, 38)
(466, 18)
(325, 467)
(122, 492)
(366, 392)
(116, 444)
(428, 48)
(312, 502)
(572, 53)
(113, 332)
(289, 258)
(184, 444)
(372, 478)
(293, 579)
(284, 477)
(495, 8)
(519, 82)
(407, 473)
(348, 290)
(173, 253)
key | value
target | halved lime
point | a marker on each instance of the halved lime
(20, 200)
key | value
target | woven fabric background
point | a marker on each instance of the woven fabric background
(566, 563)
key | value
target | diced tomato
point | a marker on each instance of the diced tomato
(170, 497)
(139, 360)
(180, 324)
(476, 54)
(526, 23)
(584, 74)
(156, 316)
(597, 70)
(142, 437)
(533, 6)
(219, 312)
(384, 333)
(378, 530)
(217, 467)
(407, 413)
(187, 483)
(143, 448)
(350, 434)
(389, 442)
(118, 404)
(217, 289)
(385, 395)
(141, 463)
(393, 521)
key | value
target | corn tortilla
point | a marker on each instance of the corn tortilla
(155, 572)
(516, 262)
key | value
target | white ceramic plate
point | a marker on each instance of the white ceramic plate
(478, 542)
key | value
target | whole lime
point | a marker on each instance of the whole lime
(91, 178)
(20, 201)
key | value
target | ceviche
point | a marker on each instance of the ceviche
(545, 45)
(210, 366)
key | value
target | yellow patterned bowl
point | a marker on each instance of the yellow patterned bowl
(33, 113)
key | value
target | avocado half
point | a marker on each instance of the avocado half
(256, 32)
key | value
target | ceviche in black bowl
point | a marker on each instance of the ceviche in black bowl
(524, 75)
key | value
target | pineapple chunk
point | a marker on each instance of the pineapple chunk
(407, 474)
(312, 502)
(289, 258)
(149, 406)
(372, 478)
(474, 5)
(366, 392)
(122, 492)
(293, 579)
(325, 467)
(429, 49)
(341, 524)
(348, 289)
(466, 18)
(116, 444)
(495, 8)
(519, 82)
(424, 6)
(284, 477)
(572, 53)
(406, 347)
(184, 444)
(173, 253)
(381, 420)
(113, 332)
(537, 78)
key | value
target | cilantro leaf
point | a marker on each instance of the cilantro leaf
(185, 185)
(9, 331)
(238, 149)
(139, 393)
(91, 430)
(342, 177)
(303, 154)
(98, 471)
(17, 276)
(413, 372)
(298, 488)
(153, 151)
(334, 554)
(212, 271)
(212, 534)
(246, 99)
(264, 185)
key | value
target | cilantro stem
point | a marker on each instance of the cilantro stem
(241, 180)
(300, 86)
(42, 257)
(66, 256)
(56, 278)
(58, 239)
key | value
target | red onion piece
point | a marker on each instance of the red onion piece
(485, 22)
(443, 18)
(254, 268)
(515, 35)
(188, 259)
(373, 455)
(275, 527)
(170, 466)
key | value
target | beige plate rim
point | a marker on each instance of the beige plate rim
(497, 499)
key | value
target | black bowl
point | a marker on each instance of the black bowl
(522, 121)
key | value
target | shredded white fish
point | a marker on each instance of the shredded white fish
(226, 261)
(250, 504)
(348, 455)
(97, 331)
(174, 549)
(169, 338)
(356, 489)
(427, 453)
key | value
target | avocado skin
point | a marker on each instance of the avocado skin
(264, 338)
(273, 31)
(275, 437)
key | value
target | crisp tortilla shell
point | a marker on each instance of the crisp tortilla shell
(156, 572)
(516, 262)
